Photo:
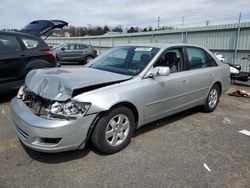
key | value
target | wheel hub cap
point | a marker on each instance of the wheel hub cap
(213, 98)
(117, 130)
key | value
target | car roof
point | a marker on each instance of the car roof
(162, 45)
(15, 33)
(78, 43)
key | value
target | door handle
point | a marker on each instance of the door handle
(185, 81)
(211, 74)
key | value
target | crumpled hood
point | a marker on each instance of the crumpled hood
(59, 83)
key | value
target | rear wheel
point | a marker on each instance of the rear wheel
(114, 130)
(212, 99)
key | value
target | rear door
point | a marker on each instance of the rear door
(67, 52)
(201, 73)
(82, 51)
(12, 58)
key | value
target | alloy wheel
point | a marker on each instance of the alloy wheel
(213, 98)
(117, 130)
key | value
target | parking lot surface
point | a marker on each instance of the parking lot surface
(190, 149)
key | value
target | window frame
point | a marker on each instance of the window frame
(74, 47)
(82, 47)
(20, 45)
(182, 55)
(20, 38)
(207, 56)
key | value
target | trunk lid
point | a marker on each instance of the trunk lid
(42, 27)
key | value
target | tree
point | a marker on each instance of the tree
(133, 30)
(118, 29)
(106, 29)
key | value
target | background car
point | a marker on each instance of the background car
(75, 52)
(23, 51)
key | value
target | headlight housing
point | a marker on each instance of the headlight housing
(70, 109)
(20, 93)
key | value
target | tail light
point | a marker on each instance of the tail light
(49, 52)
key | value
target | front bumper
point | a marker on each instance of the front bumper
(49, 135)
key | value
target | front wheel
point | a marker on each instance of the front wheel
(212, 99)
(88, 59)
(114, 130)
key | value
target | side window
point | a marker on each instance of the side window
(71, 47)
(81, 47)
(30, 43)
(66, 46)
(197, 58)
(212, 62)
(9, 44)
(77, 47)
(173, 59)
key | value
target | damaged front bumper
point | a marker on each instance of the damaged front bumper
(49, 135)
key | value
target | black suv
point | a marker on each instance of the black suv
(23, 51)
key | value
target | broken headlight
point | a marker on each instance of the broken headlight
(69, 109)
(20, 93)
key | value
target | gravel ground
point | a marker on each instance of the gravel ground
(190, 149)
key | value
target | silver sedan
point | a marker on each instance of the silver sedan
(127, 87)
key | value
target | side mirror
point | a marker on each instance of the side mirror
(158, 71)
(62, 48)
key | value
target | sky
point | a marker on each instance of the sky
(127, 13)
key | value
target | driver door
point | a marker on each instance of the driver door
(166, 95)
(67, 52)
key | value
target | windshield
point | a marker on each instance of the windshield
(125, 60)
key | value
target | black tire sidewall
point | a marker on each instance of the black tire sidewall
(98, 137)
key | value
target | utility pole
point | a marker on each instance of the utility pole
(237, 39)
(207, 23)
(158, 27)
(182, 28)
(76, 31)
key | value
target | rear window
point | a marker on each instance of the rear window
(30, 43)
(9, 44)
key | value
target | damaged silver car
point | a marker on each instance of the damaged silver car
(129, 86)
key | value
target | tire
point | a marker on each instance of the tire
(212, 99)
(88, 59)
(114, 130)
